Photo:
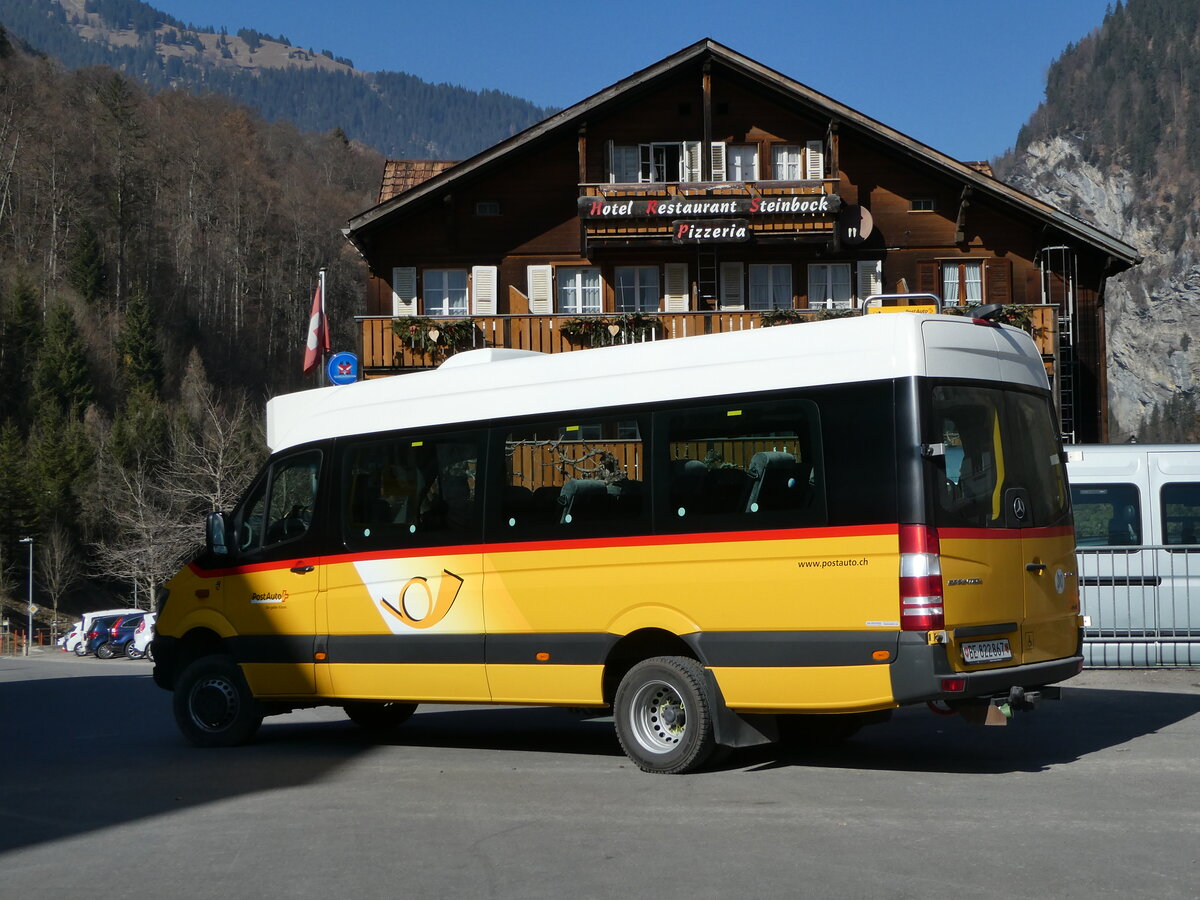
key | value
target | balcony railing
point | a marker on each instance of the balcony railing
(385, 352)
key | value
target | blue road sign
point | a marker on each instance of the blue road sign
(342, 368)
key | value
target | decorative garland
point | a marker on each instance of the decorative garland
(435, 337)
(789, 316)
(600, 331)
(1017, 315)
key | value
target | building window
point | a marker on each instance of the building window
(741, 162)
(829, 285)
(660, 162)
(578, 290)
(445, 292)
(771, 286)
(637, 289)
(962, 282)
(785, 162)
(487, 207)
(922, 204)
(626, 164)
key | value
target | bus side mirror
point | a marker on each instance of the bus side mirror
(214, 534)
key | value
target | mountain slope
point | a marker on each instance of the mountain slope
(1117, 141)
(400, 115)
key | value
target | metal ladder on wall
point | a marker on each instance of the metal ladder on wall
(707, 278)
(1059, 275)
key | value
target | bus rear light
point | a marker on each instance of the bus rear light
(920, 580)
(954, 685)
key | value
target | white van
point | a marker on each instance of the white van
(1137, 528)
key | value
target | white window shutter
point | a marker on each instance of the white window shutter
(404, 291)
(717, 154)
(483, 289)
(541, 289)
(612, 167)
(870, 278)
(691, 161)
(676, 289)
(814, 160)
(733, 291)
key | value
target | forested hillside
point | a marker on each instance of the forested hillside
(158, 256)
(400, 115)
(1117, 141)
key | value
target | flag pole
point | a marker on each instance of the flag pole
(323, 377)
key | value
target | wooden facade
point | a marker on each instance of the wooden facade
(706, 192)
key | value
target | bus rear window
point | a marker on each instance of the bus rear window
(996, 442)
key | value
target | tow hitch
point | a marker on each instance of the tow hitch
(999, 708)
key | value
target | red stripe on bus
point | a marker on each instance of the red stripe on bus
(662, 540)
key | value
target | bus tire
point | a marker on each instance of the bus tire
(663, 715)
(379, 717)
(213, 704)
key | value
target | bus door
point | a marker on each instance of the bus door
(270, 597)
(404, 609)
(1003, 517)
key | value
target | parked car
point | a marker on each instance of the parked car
(69, 641)
(98, 635)
(80, 647)
(143, 635)
(120, 634)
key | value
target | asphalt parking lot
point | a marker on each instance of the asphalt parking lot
(1092, 796)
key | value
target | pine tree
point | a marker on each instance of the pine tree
(20, 336)
(86, 268)
(16, 507)
(62, 383)
(137, 347)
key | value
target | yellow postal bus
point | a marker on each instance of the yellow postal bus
(721, 539)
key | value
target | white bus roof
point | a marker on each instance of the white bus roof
(482, 385)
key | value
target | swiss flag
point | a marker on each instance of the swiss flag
(318, 333)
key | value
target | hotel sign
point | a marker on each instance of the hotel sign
(708, 231)
(814, 205)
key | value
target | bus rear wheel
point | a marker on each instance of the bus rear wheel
(663, 716)
(213, 705)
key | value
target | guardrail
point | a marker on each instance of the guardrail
(1141, 605)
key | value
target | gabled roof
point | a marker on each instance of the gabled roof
(400, 175)
(709, 51)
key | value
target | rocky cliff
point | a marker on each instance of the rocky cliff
(1151, 310)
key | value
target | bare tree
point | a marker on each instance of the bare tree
(150, 530)
(59, 562)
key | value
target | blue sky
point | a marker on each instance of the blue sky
(959, 75)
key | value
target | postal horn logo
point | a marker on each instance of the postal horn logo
(418, 606)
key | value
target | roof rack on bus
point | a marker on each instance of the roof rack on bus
(888, 303)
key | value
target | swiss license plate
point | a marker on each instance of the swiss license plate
(986, 651)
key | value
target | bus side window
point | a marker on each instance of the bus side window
(406, 490)
(1181, 512)
(571, 479)
(279, 509)
(1107, 515)
(753, 465)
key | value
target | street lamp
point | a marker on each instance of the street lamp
(29, 633)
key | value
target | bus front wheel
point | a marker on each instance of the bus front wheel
(213, 705)
(663, 715)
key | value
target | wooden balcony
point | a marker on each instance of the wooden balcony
(383, 352)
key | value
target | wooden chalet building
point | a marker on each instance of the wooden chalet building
(709, 193)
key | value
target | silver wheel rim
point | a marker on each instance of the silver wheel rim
(213, 704)
(658, 717)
